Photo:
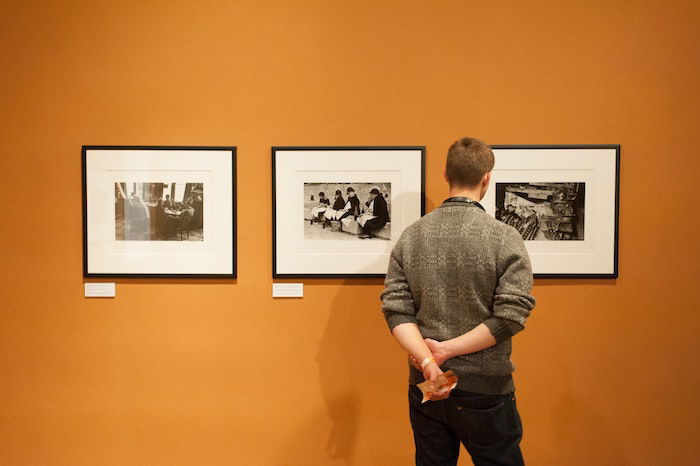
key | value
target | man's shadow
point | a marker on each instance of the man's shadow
(362, 370)
(350, 358)
(362, 375)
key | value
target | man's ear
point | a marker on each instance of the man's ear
(485, 184)
(444, 175)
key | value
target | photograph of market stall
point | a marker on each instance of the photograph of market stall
(543, 211)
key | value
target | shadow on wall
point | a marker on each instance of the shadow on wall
(355, 352)
(348, 369)
(344, 374)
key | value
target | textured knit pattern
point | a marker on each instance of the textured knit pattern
(452, 270)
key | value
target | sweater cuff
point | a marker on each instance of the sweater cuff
(396, 319)
(502, 329)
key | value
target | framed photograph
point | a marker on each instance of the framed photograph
(564, 202)
(338, 211)
(159, 211)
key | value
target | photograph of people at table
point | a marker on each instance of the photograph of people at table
(357, 211)
(159, 211)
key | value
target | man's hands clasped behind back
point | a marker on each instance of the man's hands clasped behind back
(432, 371)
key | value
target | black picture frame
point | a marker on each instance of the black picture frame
(219, 155)
(276, 151)
(608, 170)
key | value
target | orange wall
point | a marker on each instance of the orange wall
(216, 372)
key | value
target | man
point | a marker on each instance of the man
(457, 290)
(377, 214)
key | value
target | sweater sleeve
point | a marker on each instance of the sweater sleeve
(397, 301)
(512, 300)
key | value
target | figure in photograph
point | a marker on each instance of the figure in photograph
(138, 220)
(336, 210)
(376, 215)
(457, 289)
(338, 201)
(323, 204)
(530, 225)
(159, 219)
(185, 221)
(510, 216)
(339, 209)
(198, 206)
(352, 207)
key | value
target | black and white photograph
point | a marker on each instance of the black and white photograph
(563, 201)
(543, 211)
(347, 211)
(338, 211)
(159, 211)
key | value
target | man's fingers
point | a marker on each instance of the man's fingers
(440, 395)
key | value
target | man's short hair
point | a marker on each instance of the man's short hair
(468, 160)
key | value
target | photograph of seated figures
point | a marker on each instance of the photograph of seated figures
(543, 211)
(347, 211)
(159, 211)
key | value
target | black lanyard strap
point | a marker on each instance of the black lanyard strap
(463, 200)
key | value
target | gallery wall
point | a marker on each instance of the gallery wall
(217, 372)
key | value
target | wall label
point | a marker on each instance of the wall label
(100, 290)
(287, 290)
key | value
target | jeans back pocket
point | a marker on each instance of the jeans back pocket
(484, 419)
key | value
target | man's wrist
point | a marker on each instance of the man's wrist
(425, 362)
(448, 349)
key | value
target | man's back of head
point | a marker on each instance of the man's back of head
(468, 161)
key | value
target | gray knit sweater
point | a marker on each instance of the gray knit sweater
(456, 268)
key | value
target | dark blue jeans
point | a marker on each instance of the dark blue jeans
(487, 425)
